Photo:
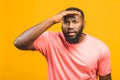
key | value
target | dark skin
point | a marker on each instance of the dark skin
(72, 27)
(26, 39)
(107, 77)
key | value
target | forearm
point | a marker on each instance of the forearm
(107, 77)
(27, 37)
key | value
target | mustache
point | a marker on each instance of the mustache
(71, 31)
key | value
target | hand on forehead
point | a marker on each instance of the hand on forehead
(72, 13)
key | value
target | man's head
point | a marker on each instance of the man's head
(72, 25)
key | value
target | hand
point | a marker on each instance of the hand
(57, 18)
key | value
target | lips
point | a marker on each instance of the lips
(71, 33)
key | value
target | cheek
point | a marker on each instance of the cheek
(78, 27)
(64, 29)
(64, 25)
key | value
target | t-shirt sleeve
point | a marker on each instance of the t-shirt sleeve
(41, 43)
(104, 63)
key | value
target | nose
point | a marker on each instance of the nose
(71, 25)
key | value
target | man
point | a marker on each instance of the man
(71, 54)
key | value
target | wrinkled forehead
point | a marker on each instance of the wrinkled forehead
(71, 17)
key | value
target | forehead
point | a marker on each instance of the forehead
(72, 17)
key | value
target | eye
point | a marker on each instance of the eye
(75, 21)
(66, 22)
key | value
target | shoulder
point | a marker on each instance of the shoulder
(50, 33)
(52, 36)
(100, 46)
(95, 41)
(47, 36)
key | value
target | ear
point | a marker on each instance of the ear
(84, 22)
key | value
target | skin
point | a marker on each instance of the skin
(107, 77)
(70, 25)
(25, 40)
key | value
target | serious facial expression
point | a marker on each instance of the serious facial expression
(72, 27)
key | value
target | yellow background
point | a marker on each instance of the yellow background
(102, 21)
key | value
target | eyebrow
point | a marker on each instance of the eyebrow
(67, 18)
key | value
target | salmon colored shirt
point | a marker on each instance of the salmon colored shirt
(81, 61)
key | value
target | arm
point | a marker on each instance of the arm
(26, 39)
(107, 77)
(104, 69)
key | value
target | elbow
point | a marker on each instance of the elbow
(18, 44)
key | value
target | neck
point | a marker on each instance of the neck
(83, 35)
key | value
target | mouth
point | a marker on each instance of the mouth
(71, 34)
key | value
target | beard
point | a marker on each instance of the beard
(73, 39)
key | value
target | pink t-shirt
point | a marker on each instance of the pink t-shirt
(81, 61)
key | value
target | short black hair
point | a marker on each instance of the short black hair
(76, 9)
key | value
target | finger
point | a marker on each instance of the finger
(73, 12)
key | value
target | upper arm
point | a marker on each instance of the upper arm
(107, 77)
(104, 62)
(30, 47)
(23, 45)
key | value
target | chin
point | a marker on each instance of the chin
(72, 40)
